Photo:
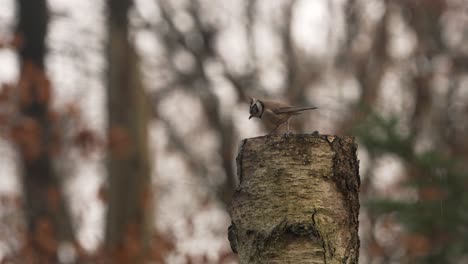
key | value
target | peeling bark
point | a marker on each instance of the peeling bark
(297, 201)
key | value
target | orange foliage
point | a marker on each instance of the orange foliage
(103, 193)
(5, 104)
(417, 244)
(44, 236)
(27, 135)
(86, 140)
(16, 41)
(119, 141)
(161, 246)
(5, 92)
(133, 247)
(53, 198)
(146, 198)
(375, 249)
(432, 193)
(34, 87)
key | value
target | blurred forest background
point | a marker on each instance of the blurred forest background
(120, 121)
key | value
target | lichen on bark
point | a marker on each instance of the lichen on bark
(297, 200)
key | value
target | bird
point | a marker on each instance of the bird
(274, 113)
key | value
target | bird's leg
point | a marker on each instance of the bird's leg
(274, 129)
(289, 132)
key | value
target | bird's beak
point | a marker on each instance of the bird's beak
(250, 116)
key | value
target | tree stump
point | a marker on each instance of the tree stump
(297, 200)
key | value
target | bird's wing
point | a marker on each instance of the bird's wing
(274, 105)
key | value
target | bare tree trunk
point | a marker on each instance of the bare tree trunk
(297, 201)
(47, 216)
(129, 213)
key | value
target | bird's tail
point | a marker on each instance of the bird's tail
(295, 109)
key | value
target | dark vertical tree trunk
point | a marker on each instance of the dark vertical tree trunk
(297, 201)
(47, 217)
(129, 213)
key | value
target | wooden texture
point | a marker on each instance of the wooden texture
(48, 218)
(129, 214)
(297, 201)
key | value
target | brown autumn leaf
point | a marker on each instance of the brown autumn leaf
(26, 252)
(12, 41)
(27, 134)
(146, 198)
(86, 140)
(33, 86)
(417, 244)
(161, 246)
(432, 193)
(43, 87)
(44, 236)
(130, 249)
(72, 111)
(53, 198)
(102, 193)
(5, 92)
(24, 94)
(17, 41)
(119, 141)
(375, 249)
(132, 242)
